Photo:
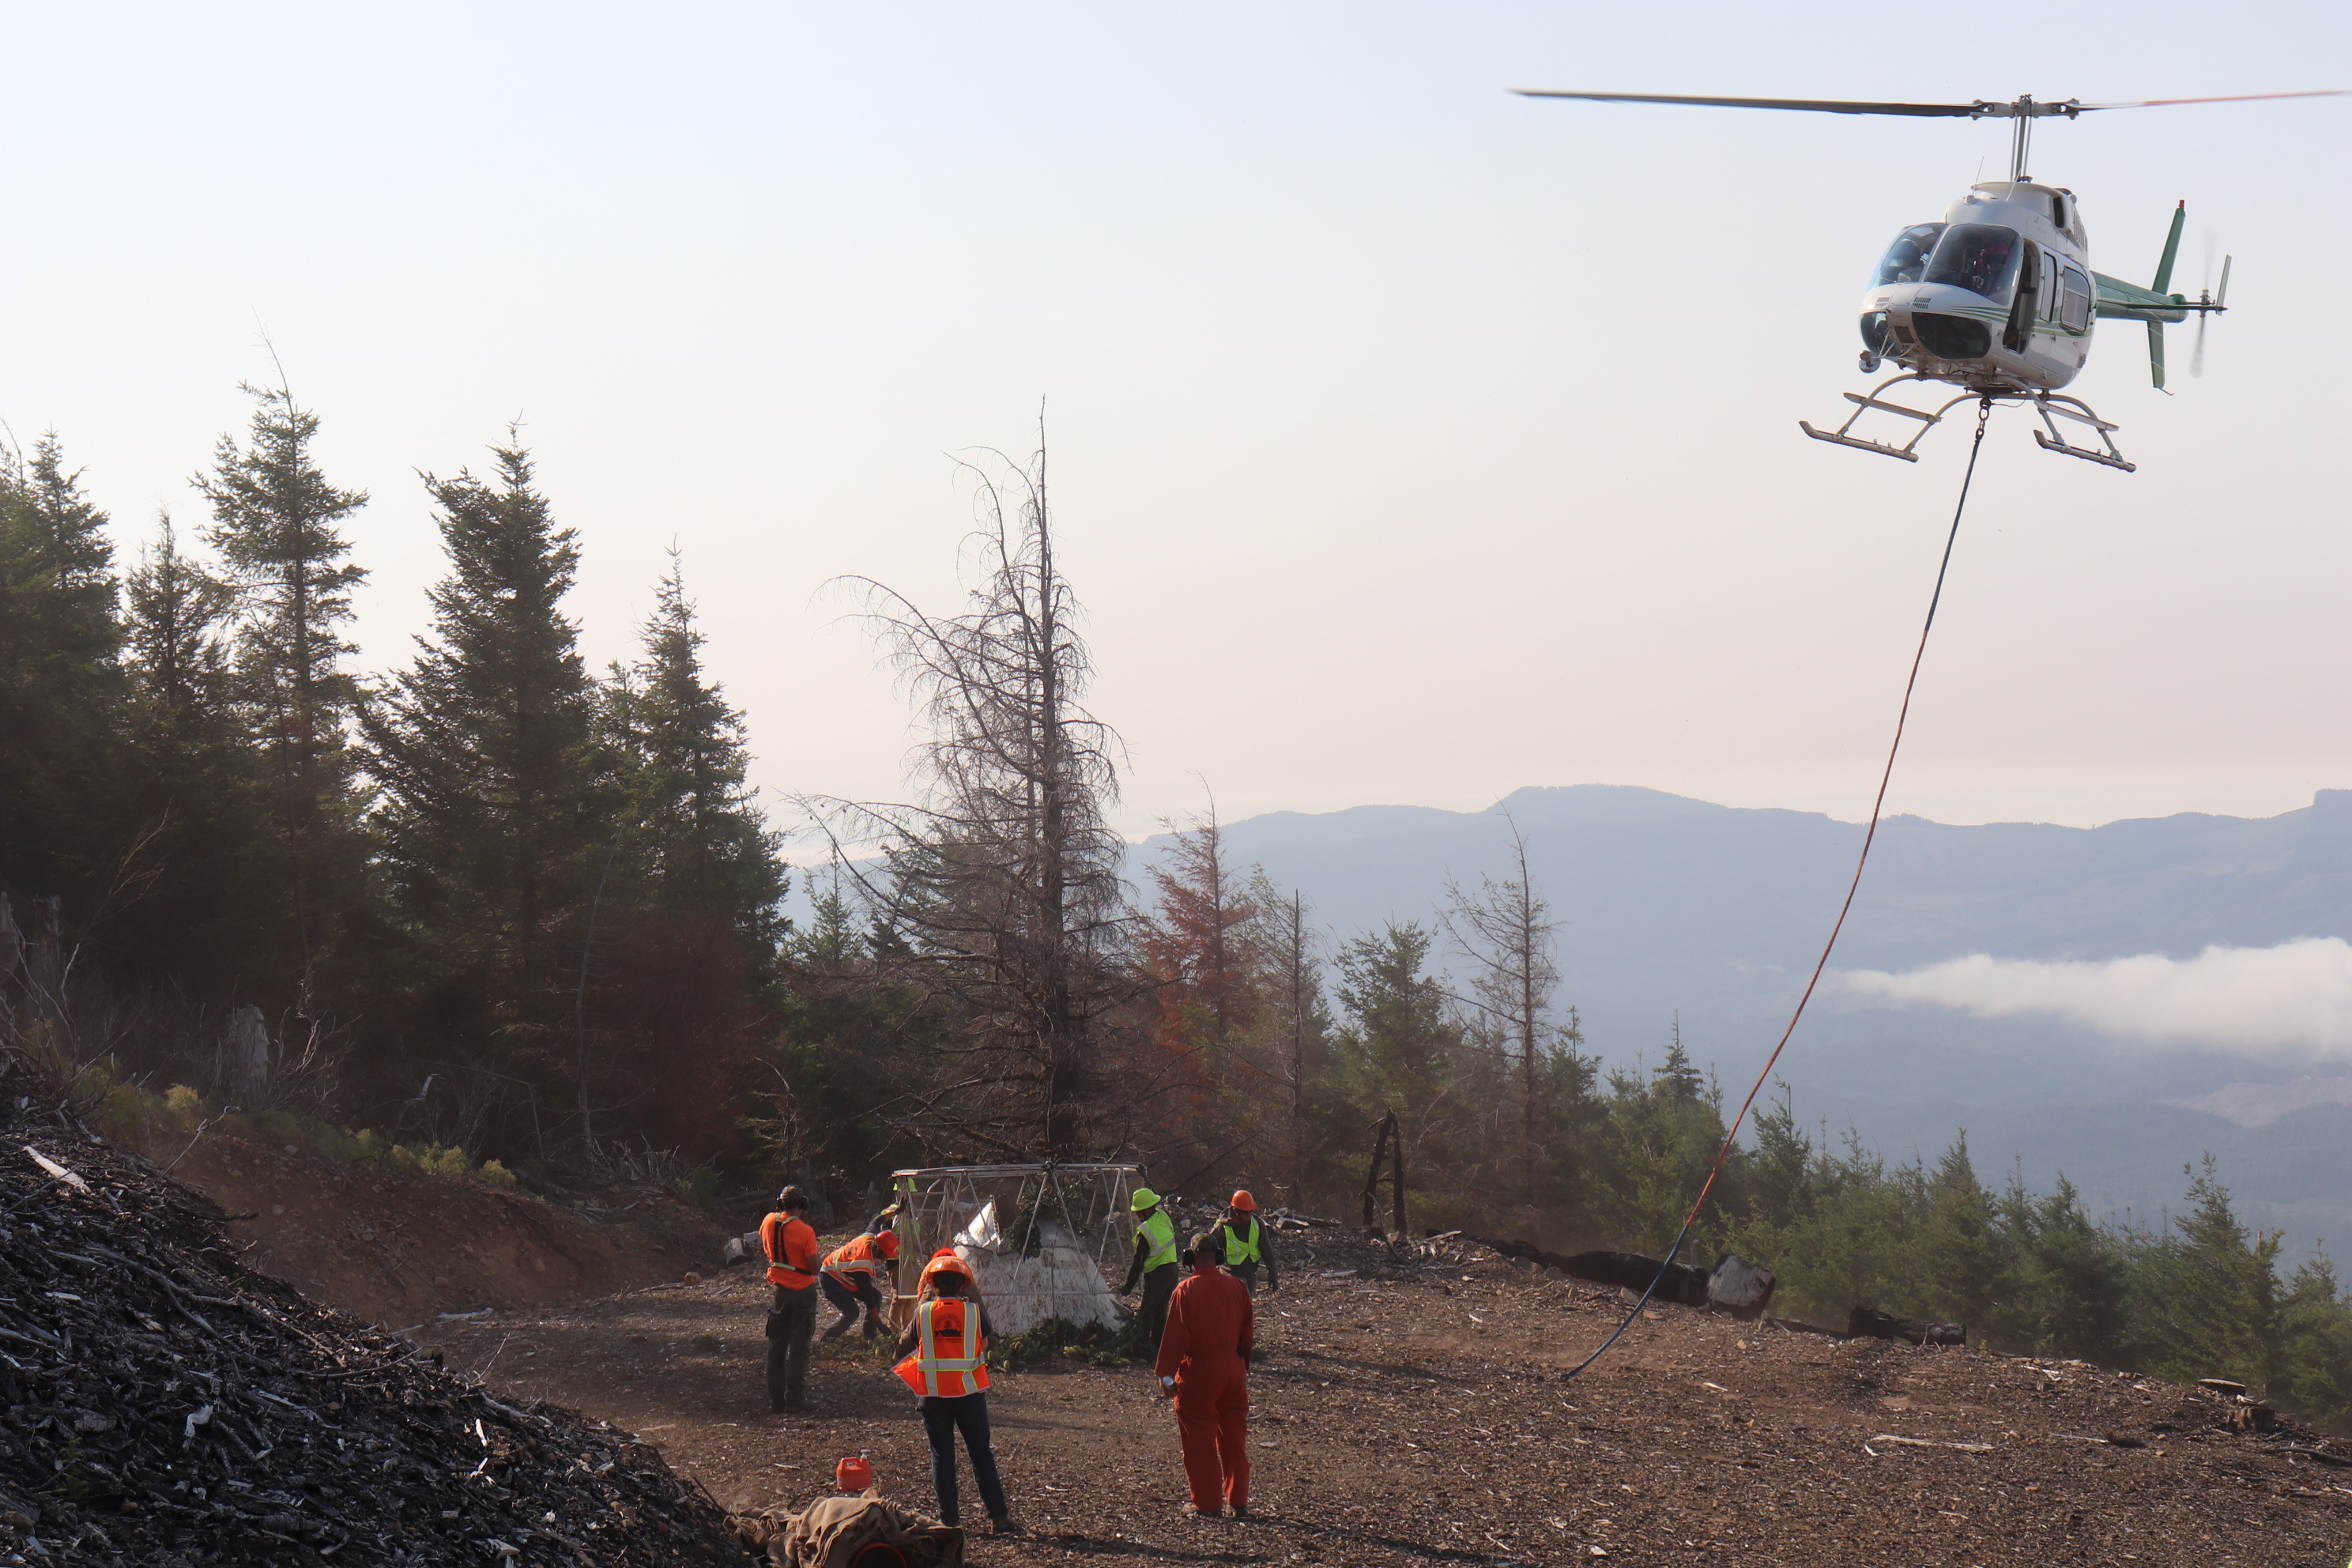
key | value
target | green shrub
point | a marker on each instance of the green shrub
(699, 1187)
(128, 1112)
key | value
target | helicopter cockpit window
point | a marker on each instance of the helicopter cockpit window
(1979, 256)
(1908, 256)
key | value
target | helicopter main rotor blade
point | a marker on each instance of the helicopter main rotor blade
(2233, 98)
(1818, 105)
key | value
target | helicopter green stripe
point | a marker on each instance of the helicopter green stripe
(2119, 300)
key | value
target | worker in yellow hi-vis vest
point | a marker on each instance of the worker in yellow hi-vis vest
(1154, 1265)
(1239, 1243)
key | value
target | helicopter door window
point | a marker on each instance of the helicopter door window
(2074, 302)
(1979, 256)
(1908, 256)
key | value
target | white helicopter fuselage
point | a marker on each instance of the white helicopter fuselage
(1998, 297)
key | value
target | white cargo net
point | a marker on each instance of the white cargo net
(1074, 1225)
(1022, 1293)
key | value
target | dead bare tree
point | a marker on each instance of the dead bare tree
(1506, 932)
(1003, 879)
(1295, 1021)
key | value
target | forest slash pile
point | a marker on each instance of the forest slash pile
(167, 1405)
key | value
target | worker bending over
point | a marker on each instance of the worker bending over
(1203, 1366)
(848, 1281)
(1239, 1243)
(946, 1352)
(1154, 1264)
(791, 1246)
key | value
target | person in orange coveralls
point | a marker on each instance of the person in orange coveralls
(1203, 1366)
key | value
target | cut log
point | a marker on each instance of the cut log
(1868, 1322)
(1681, 1284)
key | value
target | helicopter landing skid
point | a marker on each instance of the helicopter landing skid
(2049, 402)
(2052, 406)
(1843, 435)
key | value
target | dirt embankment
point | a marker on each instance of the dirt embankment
(399, 1249)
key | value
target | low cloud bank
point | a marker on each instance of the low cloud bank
(2292, 1000)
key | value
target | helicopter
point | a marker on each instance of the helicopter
(1998, 297)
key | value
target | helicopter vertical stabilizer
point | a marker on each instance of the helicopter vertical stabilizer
(2171, 248)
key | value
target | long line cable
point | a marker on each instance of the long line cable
(1984, 412)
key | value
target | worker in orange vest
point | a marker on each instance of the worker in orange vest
(791, 1246)
(946, 1352)
(849, 1271)
(1203, 1366)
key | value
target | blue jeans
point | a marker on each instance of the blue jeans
(941, 1417)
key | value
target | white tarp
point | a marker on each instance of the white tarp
(1061, 1281)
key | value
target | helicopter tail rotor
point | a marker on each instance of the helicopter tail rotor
(2215, 300)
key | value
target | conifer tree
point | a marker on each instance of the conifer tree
(275, 522)
(1200, 948)
(702, 846)
(697, 882)
(61, 685)
(193, 790)
(497, 805)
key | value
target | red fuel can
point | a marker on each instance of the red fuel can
(852, 1473)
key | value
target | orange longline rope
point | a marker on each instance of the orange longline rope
(1984, 412)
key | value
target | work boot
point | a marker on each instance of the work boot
(1008, 1525)
(1197, 1514)
(1241, 1510)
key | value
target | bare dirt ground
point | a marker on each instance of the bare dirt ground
(397, 1249)
(1424, 1421)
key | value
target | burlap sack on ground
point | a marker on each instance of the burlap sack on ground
(831, 1531)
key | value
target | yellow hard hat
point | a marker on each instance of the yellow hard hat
(1144, 1198)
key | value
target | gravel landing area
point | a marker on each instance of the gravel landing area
(1424, 1419)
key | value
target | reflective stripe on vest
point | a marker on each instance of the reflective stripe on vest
(1160, 1231)
(853, 1257)
(930, 1373)
(1238, 1251)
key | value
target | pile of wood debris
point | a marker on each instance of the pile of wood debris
(166, 1405)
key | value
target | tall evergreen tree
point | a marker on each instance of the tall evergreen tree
(1200, 948)
(193, 789)
(60, 686)
(275, 522)
(702, 846)
(496, 805)
(691, 940)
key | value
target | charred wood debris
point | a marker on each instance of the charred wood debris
(161, 1404)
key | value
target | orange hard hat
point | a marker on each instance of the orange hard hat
(945, 1261)
(1243, 1202)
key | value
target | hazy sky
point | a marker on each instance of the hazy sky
(1413, 442)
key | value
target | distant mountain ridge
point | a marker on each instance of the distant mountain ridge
(1678, 908)
(1676, 905)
